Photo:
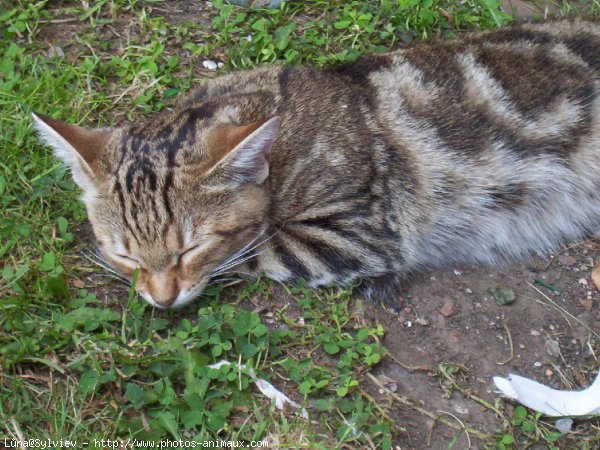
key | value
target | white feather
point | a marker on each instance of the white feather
(548, 401)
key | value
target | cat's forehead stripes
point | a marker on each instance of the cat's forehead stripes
(143, 180)
(143, 210)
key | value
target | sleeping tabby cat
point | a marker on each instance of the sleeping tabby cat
(480, 149)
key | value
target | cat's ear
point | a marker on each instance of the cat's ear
(79, 148)
(244, 152)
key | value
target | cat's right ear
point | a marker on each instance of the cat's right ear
(79, 148)
(243, 153)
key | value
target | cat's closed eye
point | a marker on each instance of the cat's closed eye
(129, 259)
(185, 255)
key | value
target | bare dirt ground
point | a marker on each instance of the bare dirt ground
(450, 318)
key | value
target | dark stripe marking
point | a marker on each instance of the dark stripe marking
(290, 260)
(335, 258)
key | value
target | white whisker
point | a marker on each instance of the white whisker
(237, 272)
(237, 262)
(247, 248)
(221, 280)
(240, 256)
(101, 262)
(111, 276)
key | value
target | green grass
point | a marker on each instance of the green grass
(80, 357)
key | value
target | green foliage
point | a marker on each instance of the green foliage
(528, 426)
(342, 30)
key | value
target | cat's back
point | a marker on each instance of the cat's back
(531, 85)
(502, 130)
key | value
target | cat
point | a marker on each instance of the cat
(480, 149)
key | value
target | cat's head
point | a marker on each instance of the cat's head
(175, 197)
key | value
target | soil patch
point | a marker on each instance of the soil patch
(450, 319)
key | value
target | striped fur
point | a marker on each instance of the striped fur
(476, 150)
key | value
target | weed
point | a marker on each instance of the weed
(528, 426)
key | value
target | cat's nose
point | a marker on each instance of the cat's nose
(162, 287)
(165, 301)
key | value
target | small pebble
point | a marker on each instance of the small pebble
(537, 364)
(583, 281)
(535, 333)
(448, 309)
(567, 260)
(210, 65)
(455, 336)
(589, 261)
(421, 321)
(522, 346)
(502, 296)
(586, 303)
(461, 409)
(468, 291)
(564, 425)
(56, 52)
(408, 324)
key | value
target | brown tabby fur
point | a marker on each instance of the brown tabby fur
(479, 149)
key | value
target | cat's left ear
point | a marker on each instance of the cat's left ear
(79, 148)
(245, 151)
